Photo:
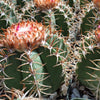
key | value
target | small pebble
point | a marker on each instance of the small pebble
(73, 85)
(64, 89)
(53, 96)
(75, 93)
(85, 96)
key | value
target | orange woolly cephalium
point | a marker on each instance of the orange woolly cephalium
(97, 33)
(97, 3)
(46, 4)
(23, 36)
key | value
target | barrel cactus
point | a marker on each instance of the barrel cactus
(42, 41)
(89, 60)
(31, 51)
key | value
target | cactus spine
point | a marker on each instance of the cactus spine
(42, 43)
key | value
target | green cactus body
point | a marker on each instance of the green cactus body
(61, 21)
(55, 73)
(12, 72)
(88, 70)
(89, 21)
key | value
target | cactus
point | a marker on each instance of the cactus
(36, 68)
(31, 61)
(42, 42)
(88, 71)
(89, 52)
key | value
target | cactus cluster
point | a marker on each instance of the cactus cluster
(43, 42)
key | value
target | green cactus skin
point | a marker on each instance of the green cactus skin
(88, 70)
(90, 21)
(12, 72)
(55, 73)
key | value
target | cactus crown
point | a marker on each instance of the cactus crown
(23, 36)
